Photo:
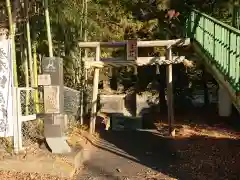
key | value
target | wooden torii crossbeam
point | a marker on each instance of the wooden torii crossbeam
(156, 43)
(132, 59)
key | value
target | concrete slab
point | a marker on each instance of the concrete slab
(58, 145)
(45, 163)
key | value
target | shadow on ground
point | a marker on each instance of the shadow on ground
(202, 116)
(184, 158)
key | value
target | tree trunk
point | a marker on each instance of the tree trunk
(26, 71)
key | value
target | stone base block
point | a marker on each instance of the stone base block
(56, 119)
(52, 130)
(58, 145)
(119, 123)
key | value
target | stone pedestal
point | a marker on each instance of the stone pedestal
(55, 122)
(224, 103)
(55, 125)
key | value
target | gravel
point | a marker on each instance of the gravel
(10, 175)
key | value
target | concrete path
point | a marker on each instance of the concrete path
(104, 165)
(150, 156)
(113, 162)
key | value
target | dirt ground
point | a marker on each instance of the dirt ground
(195, 156)
(9, 175)
(205, 148)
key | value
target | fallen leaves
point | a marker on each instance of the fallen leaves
(185, 131)
(11, 175)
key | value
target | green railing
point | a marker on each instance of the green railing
(220, 42)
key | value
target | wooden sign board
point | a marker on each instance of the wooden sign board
(132, 50)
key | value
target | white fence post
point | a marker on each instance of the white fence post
(19, 118)
(17, 134)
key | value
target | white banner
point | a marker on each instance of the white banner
(6, 84)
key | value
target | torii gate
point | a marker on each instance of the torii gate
(132, 59)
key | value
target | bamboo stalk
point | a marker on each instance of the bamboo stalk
(32, 60)
(25, 63)
(35, 75)
(29, 44)
(27, 100)
(82, 64)
(48, 26)
(25, 57)
(12, 25)
(84, 84)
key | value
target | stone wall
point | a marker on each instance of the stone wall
(71, 101)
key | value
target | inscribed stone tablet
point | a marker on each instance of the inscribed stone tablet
(51, 99)
(44, 80)
(54, 67)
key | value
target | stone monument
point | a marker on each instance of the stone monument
(55, 121)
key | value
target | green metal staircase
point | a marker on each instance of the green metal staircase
(219, 46)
